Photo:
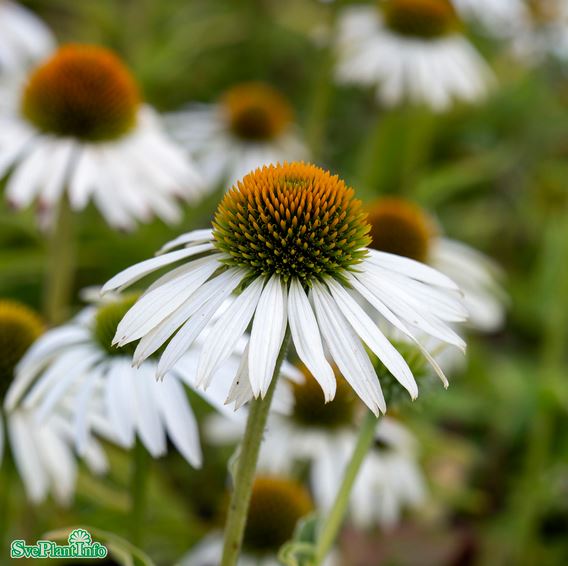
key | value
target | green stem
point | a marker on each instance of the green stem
(246, 467)
(541, 434)
(396, 149)
(319, 107)
(60, 267)
(334, 519)
(138, 490)
(5, 488)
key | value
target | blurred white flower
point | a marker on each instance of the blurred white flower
(251, 126)
(77, 126)
(74, 369)
(390, 479)
(24, 38)
(501, 18)
(401, 227)
(45, 457)
(543, 32)
(412, 51)
(281, 232)
(277, 504)
(324, 435)
(43, 453)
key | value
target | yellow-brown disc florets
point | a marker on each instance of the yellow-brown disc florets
(545, 11)
(106, 322)
(256, 111)
(19, 329)
(84, 92)
(276, 506)
(293, 220)
(311, 410)
(400, 227)
(420, 18)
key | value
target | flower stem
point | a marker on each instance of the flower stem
(396, 149)
(551, 372)
(334, 519)
(138, 488)
(246, 467)
(60, 267)
(7, 475)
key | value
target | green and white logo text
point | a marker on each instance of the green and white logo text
(80, 545)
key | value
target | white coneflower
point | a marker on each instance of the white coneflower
(401, 227)
(390, 479)
(543, 32)
(292, 239)
(251, 125)
(500, 18)
(78, 126)
(75, 368)
(411, 51)
(42, 453)
(24, 38)
(323, 435)
(277, 504)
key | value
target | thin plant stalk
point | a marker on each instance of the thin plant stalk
(246, 467)
(551, 370)
(397, 147)
(60, 266)
(138, 491)
(334, 519)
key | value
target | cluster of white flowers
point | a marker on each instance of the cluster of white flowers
(289, 258)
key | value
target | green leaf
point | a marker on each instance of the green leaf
(300, 551)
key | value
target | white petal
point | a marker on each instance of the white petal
(347, 350)
(136, 272)
(227, 331)
(152, 308)
(373, 337)
(410, 268)
(241, 392)
(194, 237)
(307, 339)
(26, 457)
(376, 302)
(268, 329)
(149, 422)
(179, 418)
(220, 286)
(120, 402)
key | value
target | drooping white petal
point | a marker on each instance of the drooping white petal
(227, 331)
(307, 340)
(179, 419)
(120, 401)
(373, 337)
(268, 329)
(347, 350)
(220, 286)
(26, 457)
(148, 420)
(375, 301)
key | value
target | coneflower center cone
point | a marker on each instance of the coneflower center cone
(420, 18)
(256, 111)
(84, 92)
(293, 220)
